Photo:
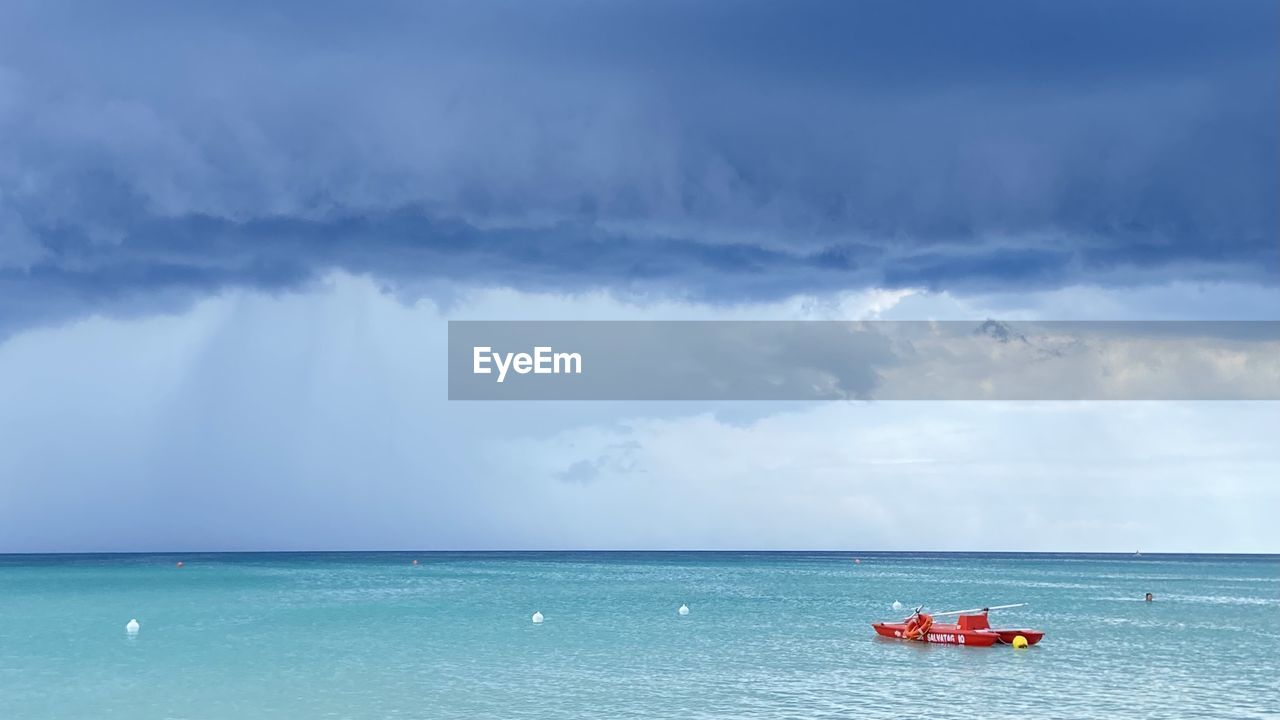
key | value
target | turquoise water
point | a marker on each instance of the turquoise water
(776, 635)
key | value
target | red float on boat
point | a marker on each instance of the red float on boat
(970, 628)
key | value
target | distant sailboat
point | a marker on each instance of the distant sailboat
(1137, 553)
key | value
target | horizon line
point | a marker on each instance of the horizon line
(474, 551)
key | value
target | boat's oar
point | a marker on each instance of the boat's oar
(974, 610)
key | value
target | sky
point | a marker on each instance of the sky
(231, 238)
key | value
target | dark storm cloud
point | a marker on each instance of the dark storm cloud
(153, 152)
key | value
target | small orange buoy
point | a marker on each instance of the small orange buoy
(179, 563)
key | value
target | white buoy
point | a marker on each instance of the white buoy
(684, 609)
(897, 605)
(132, 626)
(537, 617)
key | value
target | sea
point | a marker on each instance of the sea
(768, 635)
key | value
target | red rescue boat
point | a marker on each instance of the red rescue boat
(970, 628)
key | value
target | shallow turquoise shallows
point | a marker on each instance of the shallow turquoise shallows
(768, 635)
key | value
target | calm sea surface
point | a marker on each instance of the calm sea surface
(769, 635)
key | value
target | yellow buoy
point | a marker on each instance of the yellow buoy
(1019, 642)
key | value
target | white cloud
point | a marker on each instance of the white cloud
(319, 420)
(932, 476)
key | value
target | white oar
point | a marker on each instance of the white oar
(974, 610)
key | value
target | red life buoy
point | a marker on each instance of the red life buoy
(918, 626)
